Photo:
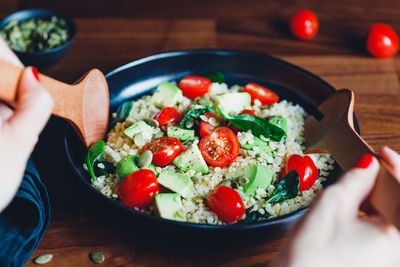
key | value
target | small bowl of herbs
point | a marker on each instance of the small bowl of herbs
(39, 37)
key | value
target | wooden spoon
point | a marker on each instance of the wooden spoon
(335, 134)
(84, 104)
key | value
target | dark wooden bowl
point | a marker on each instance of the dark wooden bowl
(142, 76)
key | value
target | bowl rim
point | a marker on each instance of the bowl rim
(239, 226)
(70, 23)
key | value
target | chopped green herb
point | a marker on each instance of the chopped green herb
(95, 151)
(101, 167)
(194, 114)
(123, 112)
(257, 126)
(215, 77)
(36, 34)
(287, 188)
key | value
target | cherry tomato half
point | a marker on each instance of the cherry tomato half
(382, 40)
(167, 115)
(164, 149)
(207, 128)
(220, 148)
(248, 111)
(304, 24)
(138, 189)
(305, 167)
(265, 95)
(226, 203)
(194, 86)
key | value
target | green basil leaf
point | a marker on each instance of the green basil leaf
(102, 167)
(215, 77)
(95, 151)
(255, 215)
(257, 126)
(279, 121)
(287, 188)
(123, 112)
(194, 114)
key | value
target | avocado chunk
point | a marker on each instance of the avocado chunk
(182, 134)
(176, 182)
(128, 165)
(232, 103)
(166, 95)
(263, 147)
(258, 176)
(280, 122)
(169, 206)
(140, 128)
(191, 159)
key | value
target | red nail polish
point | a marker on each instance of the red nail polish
(365, 161)
(35, 73)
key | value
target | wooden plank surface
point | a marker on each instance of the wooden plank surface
(112, 33)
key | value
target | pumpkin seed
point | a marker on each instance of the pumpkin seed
(189, 123)
(214, 121)
(243, 180)
(145, 159)
(151, 122)
(225, 183)
(43, 259)
(195, 179)
(241, 194)
(205, 100)
(198, 199)
(96, 257)
(139, 140)
(203, 118)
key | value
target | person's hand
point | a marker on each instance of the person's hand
(332, 233)
(20, 127)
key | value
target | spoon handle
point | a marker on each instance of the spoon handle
(62, 93)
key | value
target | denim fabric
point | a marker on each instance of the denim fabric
(25, 220)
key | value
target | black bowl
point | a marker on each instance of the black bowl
(143, 75)
(44, 59)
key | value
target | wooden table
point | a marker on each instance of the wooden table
(112, 33)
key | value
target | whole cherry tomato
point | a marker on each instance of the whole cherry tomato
(138, 188)
(194, 86)
(220, 148)
(304, 24)
(207, 128)
(226, 203)
(382, 40)
(263, 94)
(167, 115)
(248, 111)
(305, 167)
(164, 149)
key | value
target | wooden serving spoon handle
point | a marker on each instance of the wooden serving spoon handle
(84, 104)
(335, 134)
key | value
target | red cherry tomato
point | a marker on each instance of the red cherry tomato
(167, 115)
(248, 111)
(266, 96)
(306, 169)
(220, 148)
(226, 203)
(304, 24)
(138, 189)
(194, 86)
(207, 128)
(164, 150)
(382, 40)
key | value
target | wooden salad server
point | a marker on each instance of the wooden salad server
(84, 104)
(335, 134)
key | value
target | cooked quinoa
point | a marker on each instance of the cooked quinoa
(118, 146)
